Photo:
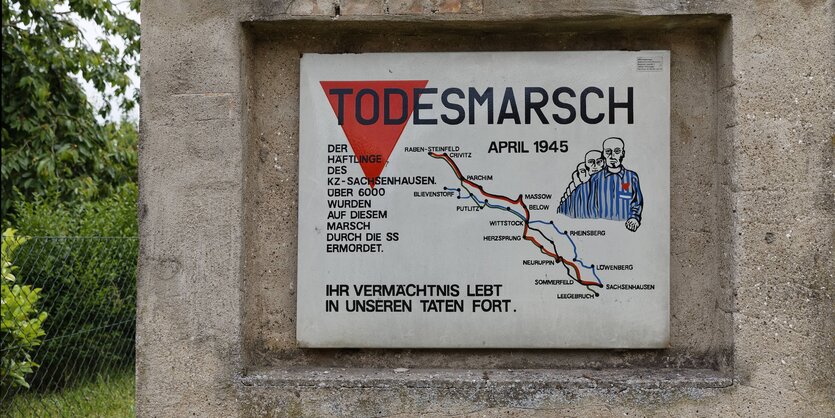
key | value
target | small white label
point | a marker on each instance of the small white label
(652, 64)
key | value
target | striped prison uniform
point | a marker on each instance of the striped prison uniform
(615, 196)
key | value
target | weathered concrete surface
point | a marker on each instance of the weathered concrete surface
(384, 392)
(753, 118)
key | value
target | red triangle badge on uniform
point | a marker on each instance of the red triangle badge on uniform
(385, 107)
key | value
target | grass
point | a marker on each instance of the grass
(106, 396)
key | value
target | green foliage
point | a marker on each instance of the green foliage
(9, 244)
(90, 288)
(52, 140)
(49, 215)
(21, 328)
(89, 283)
(110, 395)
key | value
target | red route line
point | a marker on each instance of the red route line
(521, 202)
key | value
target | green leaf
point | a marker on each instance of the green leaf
(45, 108)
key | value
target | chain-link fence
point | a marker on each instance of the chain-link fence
(72, 342)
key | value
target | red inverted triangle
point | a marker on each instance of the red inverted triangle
(375, 140)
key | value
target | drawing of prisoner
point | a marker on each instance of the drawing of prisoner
(613, 192)
(579, 176)
(592, 163)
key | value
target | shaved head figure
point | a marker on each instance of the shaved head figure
(570, 204)
(602, 188)
(613, 153)
(578, 177)
(582, 173)
(593, 161)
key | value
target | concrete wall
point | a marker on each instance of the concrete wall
(753, 135)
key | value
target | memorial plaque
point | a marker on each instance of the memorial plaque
(497, 199)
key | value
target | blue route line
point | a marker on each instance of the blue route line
(522, 217)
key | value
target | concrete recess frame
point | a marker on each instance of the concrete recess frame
(273, 108)
(218, 181)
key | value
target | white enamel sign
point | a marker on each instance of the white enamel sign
(503, 200)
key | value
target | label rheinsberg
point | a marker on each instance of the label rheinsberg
(502, 200)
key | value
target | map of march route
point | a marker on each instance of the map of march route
(573, 267)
